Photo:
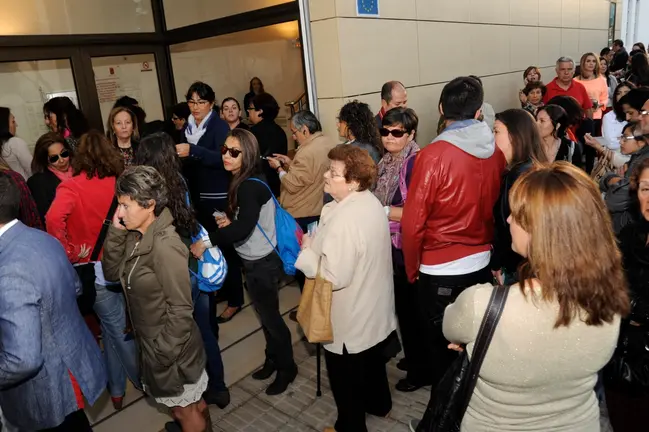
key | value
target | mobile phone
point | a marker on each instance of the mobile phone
(312, 228)
(218, 214)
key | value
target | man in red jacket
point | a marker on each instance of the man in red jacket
(448, 218)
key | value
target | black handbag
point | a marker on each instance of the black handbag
(451, 397)
(86, 271)
(628, 369)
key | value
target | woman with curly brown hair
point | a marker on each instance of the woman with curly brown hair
(75, 218)
(352, 250)
(357, 126)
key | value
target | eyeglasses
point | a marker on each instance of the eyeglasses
(644, 112)
(55, 158)
(333, 174)
(632, 137)
(397, 133)
(200, 103)
(233, 151)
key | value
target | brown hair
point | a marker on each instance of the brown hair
(110, 133)
(572, 248)
(524, 136)
(250, 165)
(40, 161)
(638, 169)
(582, 62)
(530, 69)
(359, 166)
(96, 156)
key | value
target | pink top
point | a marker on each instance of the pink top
(597, 90)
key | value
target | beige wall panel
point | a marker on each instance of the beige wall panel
(549, 46)
(328, 110)
(404, 9)
(524, 12)
(550, 13)
(444, 10)
(501, 91)
(490, 11)
(593, 14)
(570, 13)
(570, 43)
(327, 58)
(424, 100)
(489, 49)
(524, 47)
(322, 9)
(375, 51)
(592, 40)
(458, 62)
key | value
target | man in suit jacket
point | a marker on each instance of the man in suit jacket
(49, 360)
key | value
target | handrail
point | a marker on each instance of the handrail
(298, 104)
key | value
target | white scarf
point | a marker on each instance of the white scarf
(194, 132)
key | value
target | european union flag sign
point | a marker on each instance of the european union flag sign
(367, 8)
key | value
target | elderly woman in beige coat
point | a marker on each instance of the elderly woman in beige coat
(352, 246)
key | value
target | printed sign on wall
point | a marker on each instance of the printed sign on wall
(367, 8)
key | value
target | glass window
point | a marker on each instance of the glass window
(611, 22)
(26, 86)
(181, 13)
(134, 76)
(229, 62)
(38, 17)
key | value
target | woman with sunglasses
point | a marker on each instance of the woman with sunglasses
(249, 226)
(618, 197)
(51, 165)
(399, 127)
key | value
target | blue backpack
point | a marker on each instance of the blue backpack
(288, 233)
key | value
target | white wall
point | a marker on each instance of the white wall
(26, 17)
(26, 86)
(635, 16)
(426, 43)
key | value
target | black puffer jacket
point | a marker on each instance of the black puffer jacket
(635, 254)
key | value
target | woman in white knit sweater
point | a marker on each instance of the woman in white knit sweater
(353, 247)
(560, 325)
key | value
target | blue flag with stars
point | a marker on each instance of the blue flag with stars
(367, 7)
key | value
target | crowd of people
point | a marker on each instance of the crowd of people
(549, 200)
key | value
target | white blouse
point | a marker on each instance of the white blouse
(353, 242)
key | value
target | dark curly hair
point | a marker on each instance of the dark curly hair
(535, 85)
(359, 166)
(158, 150)
(68, 116)
(40, 161)
(96, 156)
(638, 169)
(361, 123)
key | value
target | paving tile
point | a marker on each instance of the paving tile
(238, 397)
(321, 413)
(254, 416)
(296, 426)
(300, 395)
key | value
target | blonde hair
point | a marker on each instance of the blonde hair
(110, 132)
(572, 248)
(582, 62)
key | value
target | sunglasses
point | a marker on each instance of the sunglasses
(397, 133)
(55, 158)
(233, 151)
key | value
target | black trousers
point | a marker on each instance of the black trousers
(359, 383)
(74, 422)
(434, 293)
(262, 280)
(304, 223)
(233, 285)
(410, 325)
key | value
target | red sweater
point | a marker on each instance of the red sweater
(78, 211)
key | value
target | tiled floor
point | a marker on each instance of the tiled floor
(251, 410)
(299, 409)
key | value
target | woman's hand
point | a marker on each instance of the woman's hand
(117, 222)
(455, 347)
(198, 249)
(396, 213)
(622, 170)
(498, 275)
(182, 150)
(306, 241)
(592, 142)
(522, 97)
(85, 251)
(222, 221)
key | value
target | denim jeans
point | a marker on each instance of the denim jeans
(205, 317)
(120, 350)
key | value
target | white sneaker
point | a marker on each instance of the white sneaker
(413, 425)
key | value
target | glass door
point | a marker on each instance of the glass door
(128, 75)
(26, 85)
